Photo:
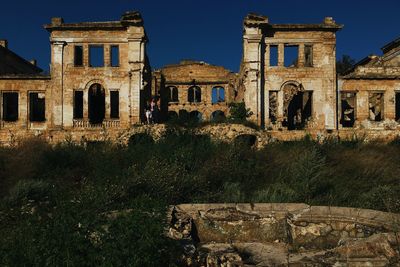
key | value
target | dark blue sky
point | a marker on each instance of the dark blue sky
(209, 30)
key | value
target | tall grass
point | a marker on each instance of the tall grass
(54, 198)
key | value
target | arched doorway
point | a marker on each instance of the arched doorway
(297, 105)
(97, 103)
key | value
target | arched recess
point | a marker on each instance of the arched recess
(297, 104)
(196, 116)
(172, 94)
(97, 103)
(218, 116)
(194, 94)
(218, 94)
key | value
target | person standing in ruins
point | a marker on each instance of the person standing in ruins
(147, 112)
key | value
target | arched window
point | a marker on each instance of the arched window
(218, 94)
(172, 94)
(194, 94)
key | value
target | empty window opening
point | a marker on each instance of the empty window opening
(37, 107)
(397, 103)
(10, 106)
(194, 94)
(348, 104)
(217, 95)
(218, 116)
(78, 104)
(273, 106)
(114, 56)
(96, 56)
(291, 55)
(273, 55)
(308, 55)
(172, 94)
(114, 101)
(376, 106)
(97, 103)
(78, 55)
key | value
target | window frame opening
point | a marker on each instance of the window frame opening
(96, 55)
(37, 106)
(217, 94)
(172, 94)
(194, 94)
(114, 56)
(10, 107)
(308, 55)
(78, 60)
(78, 104)
(348, 104)
(376, 110)
(273, 55)
(114, 104)
(289, 61)
(273, 106)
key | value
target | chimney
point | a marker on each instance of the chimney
(33, 62)
(57, 21)
(4, 43)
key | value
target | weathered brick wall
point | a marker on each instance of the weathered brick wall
(187, 74)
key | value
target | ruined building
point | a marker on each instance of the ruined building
(100, 80)
(369, 94)
(97, 80)
(195, 90)
(289, 73)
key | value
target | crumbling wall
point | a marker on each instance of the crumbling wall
(284, 234)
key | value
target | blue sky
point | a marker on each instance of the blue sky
(208, 30)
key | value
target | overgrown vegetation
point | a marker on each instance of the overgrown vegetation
(58, 203)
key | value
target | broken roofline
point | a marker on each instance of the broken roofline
(254, 20)
(129, 18)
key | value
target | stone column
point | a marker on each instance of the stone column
(57, 75)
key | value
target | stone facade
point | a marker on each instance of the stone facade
(369, 93)
(99, 78)
(196, 89)
(289, 73)
(278, 234)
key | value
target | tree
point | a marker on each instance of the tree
(344, 64)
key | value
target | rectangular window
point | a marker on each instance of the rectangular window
(291, 55)
(114, 56)
(375, 104)
(10, 106)
(273, 105)
(114, 100)
(78, 56)
(273, 55)
(397, 103)
(37, 107)
(96, 56)
(308, 55)
(348, 105)
(78, 104)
